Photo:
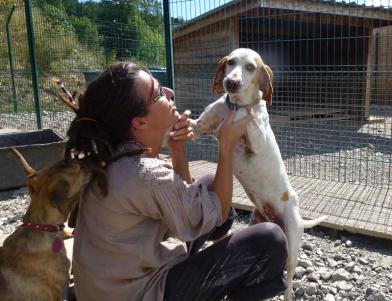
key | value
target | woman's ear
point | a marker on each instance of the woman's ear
(138, 123)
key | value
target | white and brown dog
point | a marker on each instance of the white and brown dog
(244, 80)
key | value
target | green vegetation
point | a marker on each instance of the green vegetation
(73, 36)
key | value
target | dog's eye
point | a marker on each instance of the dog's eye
(250, 67)
(230, 62)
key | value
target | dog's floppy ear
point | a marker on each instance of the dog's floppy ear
(59, 194)
(265, 83)
(217, 86)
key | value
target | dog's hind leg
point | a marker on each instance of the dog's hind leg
(294, 230)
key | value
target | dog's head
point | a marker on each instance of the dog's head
(54, 191)
(243, 74)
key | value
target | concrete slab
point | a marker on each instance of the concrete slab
(355, 208)
(2, 239)
(8, 131)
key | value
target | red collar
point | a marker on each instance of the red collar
(43, 227)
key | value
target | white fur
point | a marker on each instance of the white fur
(257, 161)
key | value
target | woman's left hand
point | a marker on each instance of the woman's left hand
(182, 132)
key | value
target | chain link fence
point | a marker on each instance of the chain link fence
(72, 44)
(332, 101)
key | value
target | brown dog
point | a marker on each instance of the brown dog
(33, 261)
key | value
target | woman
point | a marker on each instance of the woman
(139, 210)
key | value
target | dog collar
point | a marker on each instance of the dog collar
(232, 106)
(43, 227)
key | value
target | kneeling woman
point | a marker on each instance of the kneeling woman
(141, 219)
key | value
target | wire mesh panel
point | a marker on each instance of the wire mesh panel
(332, 103)
(15, 79)
(74, 41)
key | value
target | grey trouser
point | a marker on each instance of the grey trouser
(245, 266)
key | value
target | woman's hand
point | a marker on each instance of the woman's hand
(182, 132)
(231, 131)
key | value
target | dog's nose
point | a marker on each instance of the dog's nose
(232, 84)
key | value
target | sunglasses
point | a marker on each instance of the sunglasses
(158, 96)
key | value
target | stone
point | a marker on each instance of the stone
(372, 294)
(329, 297)
(311, 289)
(307, 246)
(357, 270)
(303, 256)
(299, 272)
(305, 263)
(310, 270)
(341, 274)
(299, 292)
(297, 284)
(350, 266)
(343, 285)
(332, 263)
(337, 257)
(363, 261)
(325, 276)
(314, 277)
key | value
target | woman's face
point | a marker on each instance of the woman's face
(161, 112)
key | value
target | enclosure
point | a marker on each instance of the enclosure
(332, 103)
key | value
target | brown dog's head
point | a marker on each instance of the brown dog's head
(243, 74)
(54, 191)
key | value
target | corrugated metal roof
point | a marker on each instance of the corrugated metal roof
(264, 4)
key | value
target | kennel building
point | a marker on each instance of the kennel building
(332, 103)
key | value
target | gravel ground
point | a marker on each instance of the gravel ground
(58, 121)
(333, 265)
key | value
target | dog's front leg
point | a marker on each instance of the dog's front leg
(210, 120)
(255, 131)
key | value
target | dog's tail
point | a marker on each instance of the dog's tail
(314, 222)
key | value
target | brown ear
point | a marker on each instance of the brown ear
(59, 194)
(26, 167)
(217, 86)
(265, 83)
(33, 184)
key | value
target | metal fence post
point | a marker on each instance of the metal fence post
(33, 62)
(168, 44)
(10, 58)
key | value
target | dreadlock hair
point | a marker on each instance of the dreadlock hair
(103, 119)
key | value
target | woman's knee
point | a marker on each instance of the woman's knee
(268, 236)
(275, 237)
